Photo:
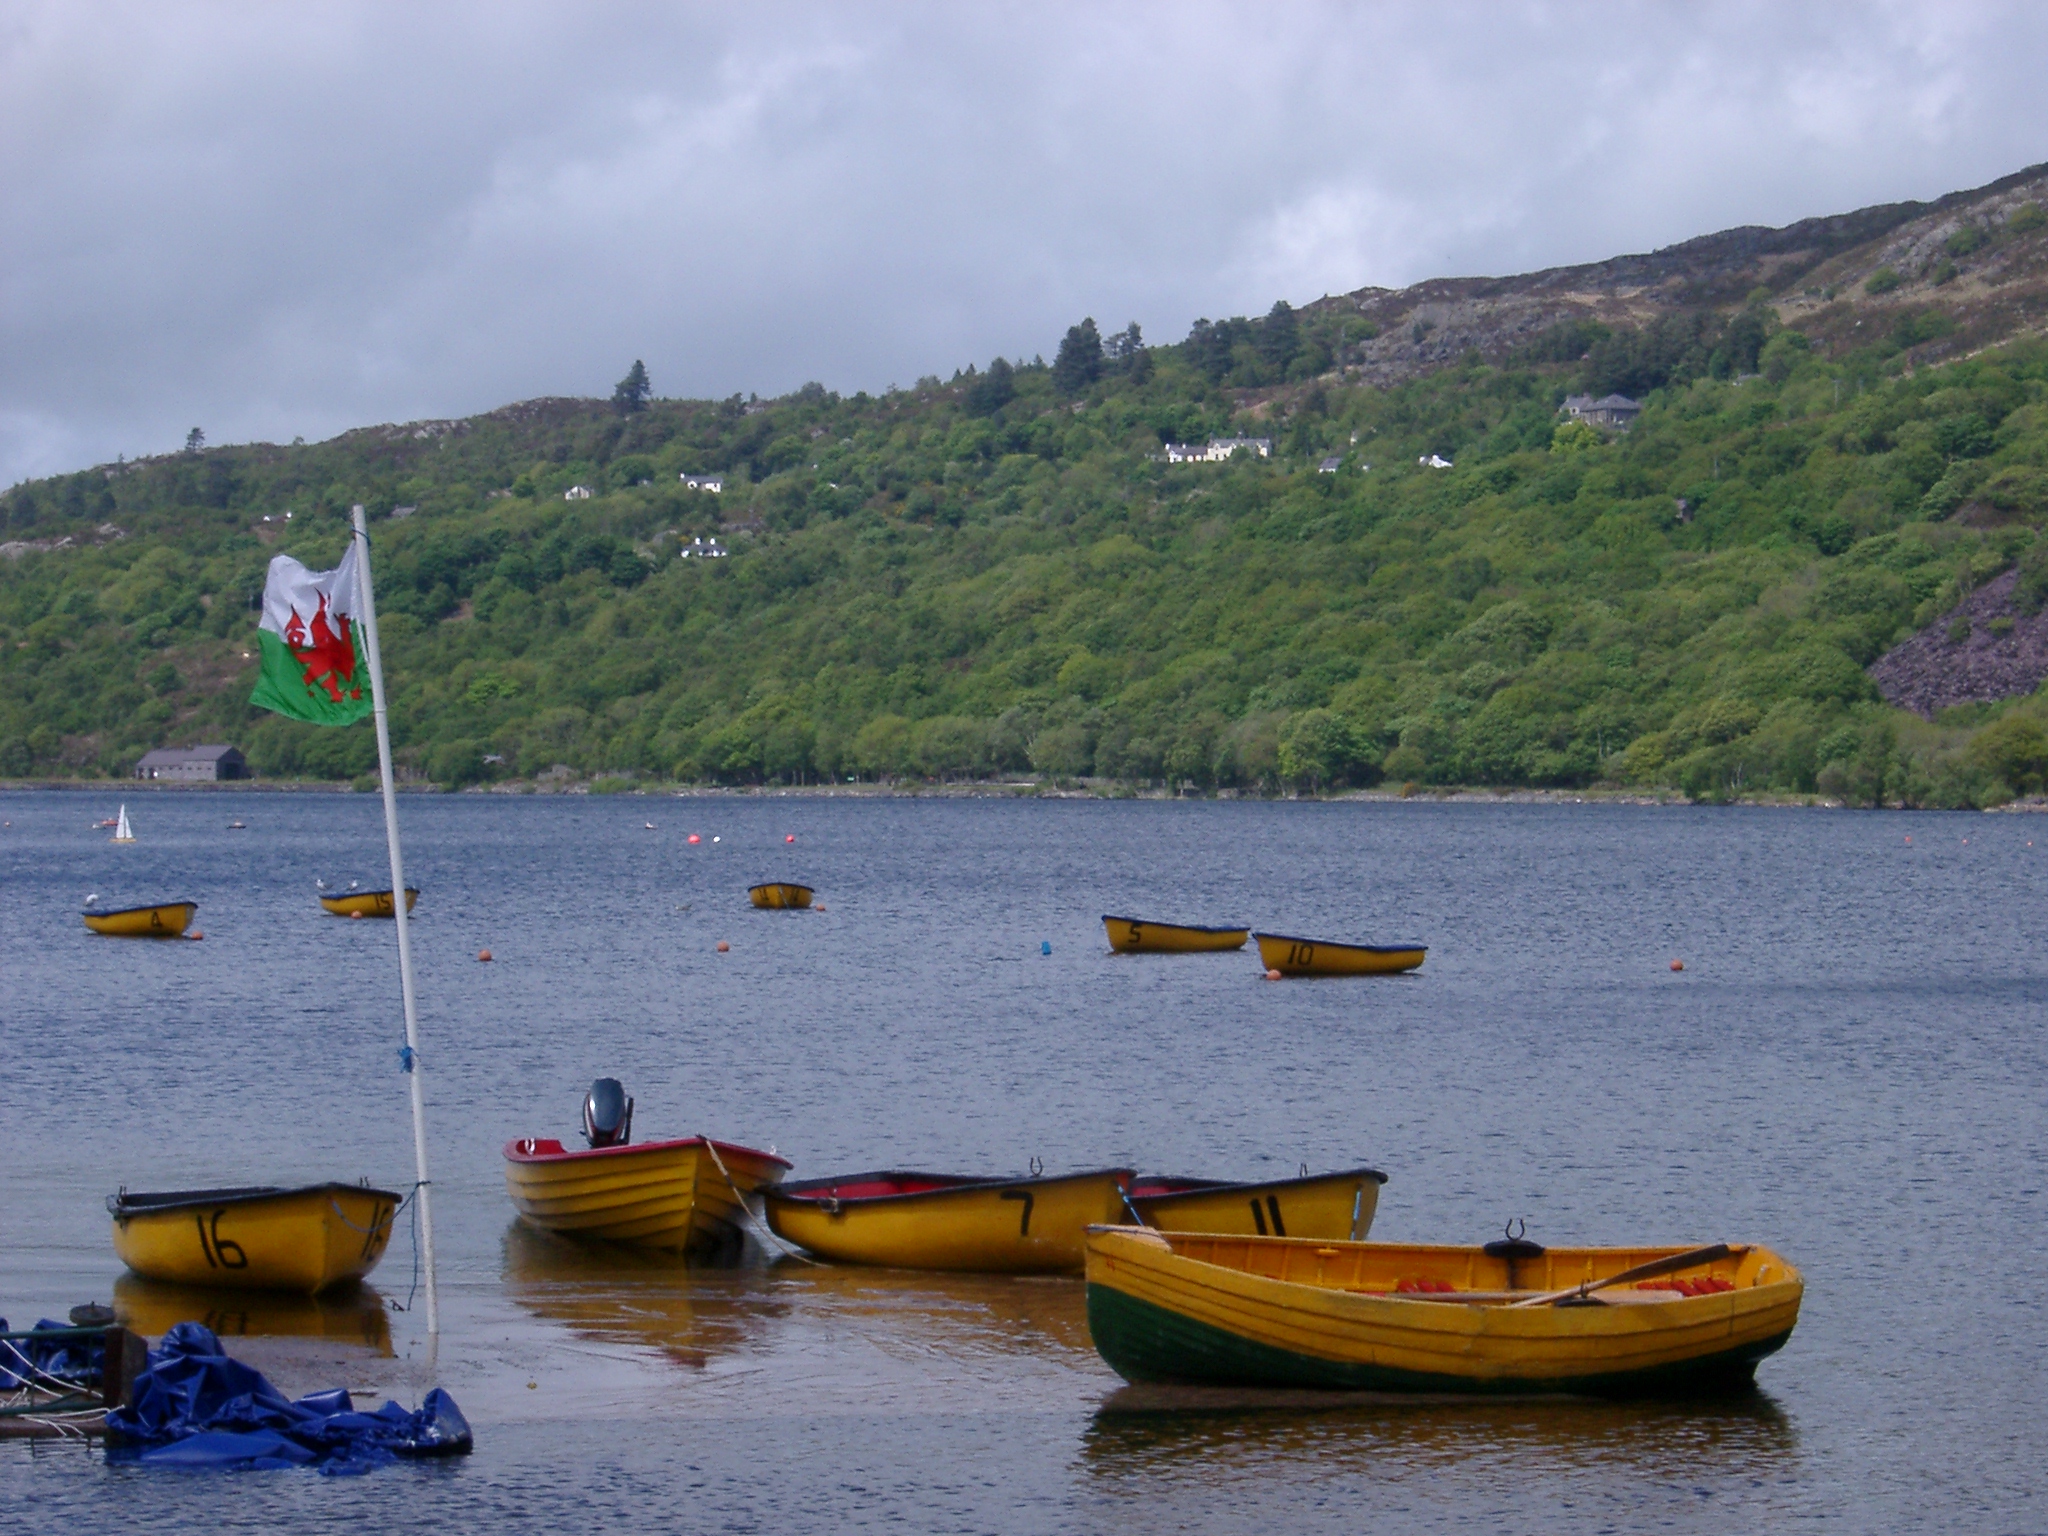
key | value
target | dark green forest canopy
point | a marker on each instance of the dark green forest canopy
(1000, 574)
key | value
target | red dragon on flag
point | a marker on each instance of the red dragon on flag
(326, 651)
(312, 667)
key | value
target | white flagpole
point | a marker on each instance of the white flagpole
(412, 1028)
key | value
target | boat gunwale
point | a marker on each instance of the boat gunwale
(817, 1192)
(1156, 1240)
(1153, 922)
(567, 1155)
(147, 906)
(161, 1202)
(794, 885)
(1369, 949)
(1215, 1186)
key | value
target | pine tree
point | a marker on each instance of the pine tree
(630, 393)
(1279, 337)
(992, 391)
(1079, 362)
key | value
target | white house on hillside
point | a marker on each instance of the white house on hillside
(703, 549)
(577, 493)
(712, 483)
(1218, 450)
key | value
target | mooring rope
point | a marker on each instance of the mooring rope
(760, 1226)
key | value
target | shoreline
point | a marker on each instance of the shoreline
(993, 790)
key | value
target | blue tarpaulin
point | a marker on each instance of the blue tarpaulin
(196, 1407)
(66, 1359)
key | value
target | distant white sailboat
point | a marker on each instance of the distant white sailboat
(123, 833)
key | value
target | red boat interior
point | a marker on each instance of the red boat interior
(874, 1186)
(532, 1149)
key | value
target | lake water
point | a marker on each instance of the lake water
(1849, 1069)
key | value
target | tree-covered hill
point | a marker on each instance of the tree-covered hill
(998, 573)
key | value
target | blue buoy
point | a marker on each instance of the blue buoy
(1045, 946)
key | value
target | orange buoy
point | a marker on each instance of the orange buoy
(483, 954)
(354, 915)
(195, 935)
(1272, 975)
(695, 838)
(821, 906)
(723, 946)
(1678, 965)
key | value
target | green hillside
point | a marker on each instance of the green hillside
(997, 574)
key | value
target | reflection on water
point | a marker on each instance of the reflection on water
(913, 1330)
(615, 1294)
(1210, 1436)
(948, 1313)
(356, 1315)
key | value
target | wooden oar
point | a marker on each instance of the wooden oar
(1649, 1271)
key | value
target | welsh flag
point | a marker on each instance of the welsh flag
(311, 635)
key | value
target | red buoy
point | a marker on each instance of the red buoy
(483, 954)
(1272, 975)
(1678, 965)
(695, 838)
(790, 838)
(723, 946)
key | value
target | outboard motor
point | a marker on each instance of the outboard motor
(607, 1114)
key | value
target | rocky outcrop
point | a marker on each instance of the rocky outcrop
(1997, 652)
(1814, 271)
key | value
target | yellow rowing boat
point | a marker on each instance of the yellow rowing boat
(779, 894)
(1322, 1205)
(1132, 935)
(368, 903)
(942, 1221)
(1320, 957)
(259, 1238)
(1396, 1317)
(165, 920)
(686, 1194)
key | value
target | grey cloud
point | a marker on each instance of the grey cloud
(290, 220)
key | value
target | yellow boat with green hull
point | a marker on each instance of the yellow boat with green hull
(1397, 1317)
(777, 895)
(368, 903)
(161, 920)
(1033, 1225)
(1319, 1205)
(1322, 957)
(1135, 935)
(258, 1237)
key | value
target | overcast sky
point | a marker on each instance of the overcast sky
(278, 220)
